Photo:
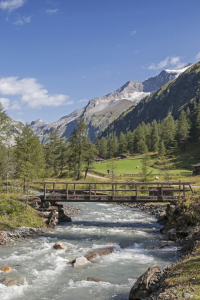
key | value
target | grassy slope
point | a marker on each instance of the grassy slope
(180, 163)
(13, 213)
(185, 278)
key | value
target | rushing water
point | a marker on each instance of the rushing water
(45, 270)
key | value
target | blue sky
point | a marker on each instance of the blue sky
(57, 55)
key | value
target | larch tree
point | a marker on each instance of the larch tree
(52, 149)
(183, 129)
(78, 147)
(30, 157)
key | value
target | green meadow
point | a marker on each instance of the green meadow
(129, 166)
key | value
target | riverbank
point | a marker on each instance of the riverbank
(182, 228)
(21, 219)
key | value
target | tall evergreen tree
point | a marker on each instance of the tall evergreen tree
(78, 143)
(161, 149)
(122, 143)
(183, 128)
(30, 156)
(198, 120)
(154, 136)
(103, 147)
(89, 157)
(52, 149)
(168, 131)
(63, 155)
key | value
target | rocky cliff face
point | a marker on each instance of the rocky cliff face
(100, 112)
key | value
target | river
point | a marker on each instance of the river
(45, 270)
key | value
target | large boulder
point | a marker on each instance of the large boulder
(6, 269)
(80, 261)
(59, 246)
(146, 283)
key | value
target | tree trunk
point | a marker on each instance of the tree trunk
(7, 183)
(24, 187)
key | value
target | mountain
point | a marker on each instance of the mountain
(100, 112)
(178, 94)
(14, 128)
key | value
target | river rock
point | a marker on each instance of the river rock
(80, 261)
(6, 269)
(146, 284)
(100, 252)
(95, 279)
(10, 281)
(65, 218)
(59, 246)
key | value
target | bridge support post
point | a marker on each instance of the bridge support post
(136, 186)
(44, 191)
(89, 191)
(67, 191)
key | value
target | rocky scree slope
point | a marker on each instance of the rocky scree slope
(100, 112)
(170, 98)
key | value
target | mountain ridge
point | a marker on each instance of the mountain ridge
(100, 112)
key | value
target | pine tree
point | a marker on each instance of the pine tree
(198, 120)
(63, 155)
(30, 157)
(145, 171)
(183, 129)
(168, 131)
(3, 125)
(142, 147)
(78, 143)
(122, 143)
(103, 147)
(154, 136)
(89, 157)
(7, 164)
(52, 151)
(161, 149)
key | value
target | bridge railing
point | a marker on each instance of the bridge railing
(115, 191)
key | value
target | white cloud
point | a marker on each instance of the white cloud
(174, 61)
(11, 4)
(5, 102)
(52, 11)
(198, 56)
(23, 20)
(83, 100)
(133, 32)
(30, 92)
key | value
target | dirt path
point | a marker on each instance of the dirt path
(95, 176)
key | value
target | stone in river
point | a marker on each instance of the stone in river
(146, 283)
(59, 246)
(10, 281)
(100, 252)
(80, 261)
(6, 269)
(95, 279)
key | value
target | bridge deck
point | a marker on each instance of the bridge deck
(127, 191)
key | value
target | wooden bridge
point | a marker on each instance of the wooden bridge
(115, 191)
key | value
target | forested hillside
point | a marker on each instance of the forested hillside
(170, 99)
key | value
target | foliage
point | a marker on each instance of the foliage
(13, 213)
(29, 156)
(80, 149)
(145, 173)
